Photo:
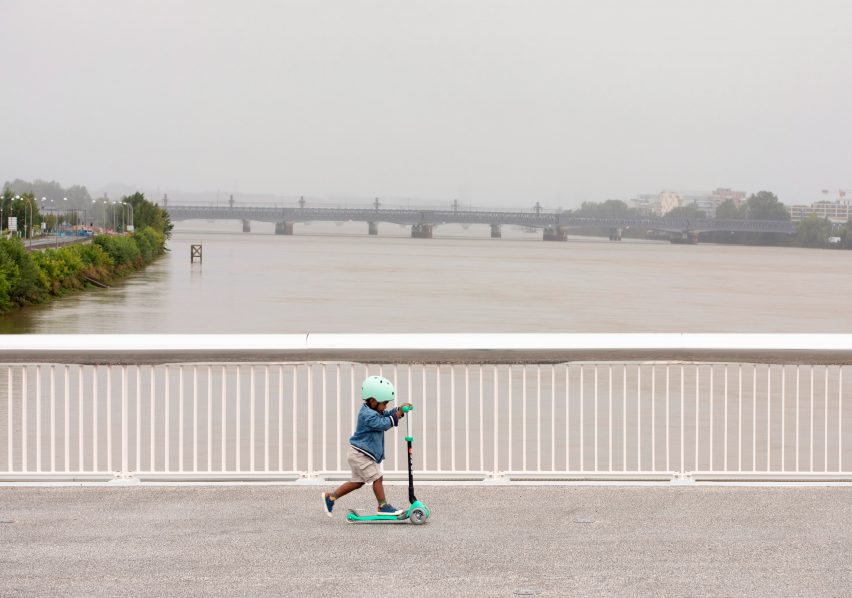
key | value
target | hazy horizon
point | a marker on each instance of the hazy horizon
(493, 103)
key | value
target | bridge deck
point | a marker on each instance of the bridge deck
(558, 540)
(437, 217)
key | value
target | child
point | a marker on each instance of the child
(367, 444)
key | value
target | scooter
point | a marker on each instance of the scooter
(417, 513)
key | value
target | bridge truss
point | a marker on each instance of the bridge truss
(415, 217)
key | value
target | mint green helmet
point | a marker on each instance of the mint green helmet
(376, 387)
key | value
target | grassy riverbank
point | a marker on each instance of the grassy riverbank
(32, 278)
(40, 276)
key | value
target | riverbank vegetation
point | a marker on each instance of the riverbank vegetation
(29, 278)
(810, 232)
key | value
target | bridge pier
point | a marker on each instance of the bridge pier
(684, 238)
(283, 228)
(246, 226)
(421, 231)
(615, 234)
(555, 233)
(372, 228)
(496, 231)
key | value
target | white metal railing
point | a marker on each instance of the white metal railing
(488, 407)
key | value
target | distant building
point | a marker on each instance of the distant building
(706, 203)
(710, 202)
(724, 194)
(669, 200)
(838, 212)
(647, 205)
(657, 204)
(664, 202)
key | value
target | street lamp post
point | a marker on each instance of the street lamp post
(1, 211)
(58, 225)
(1, 215)
(17, 197)
(129, 209)
(59, 218)
(27, 205)
(28, 231)
(100, 203)
(56, 218)
(41, 212)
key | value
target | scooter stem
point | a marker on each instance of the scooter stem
(409, 439)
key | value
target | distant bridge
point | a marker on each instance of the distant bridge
(554, 224)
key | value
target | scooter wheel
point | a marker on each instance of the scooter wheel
(418, 516)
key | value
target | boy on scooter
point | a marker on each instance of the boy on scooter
(367, 444)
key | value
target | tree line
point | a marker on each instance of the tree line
(28, 278)
(812, 231)
(73, 207)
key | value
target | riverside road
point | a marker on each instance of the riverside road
(492, 541)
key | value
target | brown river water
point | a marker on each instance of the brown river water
(329, 278)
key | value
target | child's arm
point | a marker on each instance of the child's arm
(396, 411)
(381, 422)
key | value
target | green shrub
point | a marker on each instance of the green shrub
(22, 279)
(146, 245)
(61, 267)
(122, 250)
(9, 276)
(93, 255)
(96, 262)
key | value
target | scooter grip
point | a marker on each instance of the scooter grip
(407, 408)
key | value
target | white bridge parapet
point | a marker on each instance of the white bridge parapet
(752, 407)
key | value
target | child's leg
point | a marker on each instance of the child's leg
(379, 490)
(345, 489)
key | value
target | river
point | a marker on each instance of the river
(329, 278)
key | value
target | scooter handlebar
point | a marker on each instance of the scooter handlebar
(407, 408)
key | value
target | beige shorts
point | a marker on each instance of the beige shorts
(364, 469)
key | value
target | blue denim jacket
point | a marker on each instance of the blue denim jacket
(369, 436)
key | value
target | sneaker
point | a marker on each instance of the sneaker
(389, 509)
(328, 504)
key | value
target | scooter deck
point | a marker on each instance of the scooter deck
(373, 517)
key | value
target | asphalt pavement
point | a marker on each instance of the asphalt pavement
(255, 540)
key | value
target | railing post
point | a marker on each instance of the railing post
(495, 477)
(124, 437)
(310, 403)
(496, 473)
(310, 476)
(10, 428)
(123, 475)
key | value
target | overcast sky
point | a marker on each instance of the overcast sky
(495, 103)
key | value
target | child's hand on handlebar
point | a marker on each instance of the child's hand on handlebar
(399, 410)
